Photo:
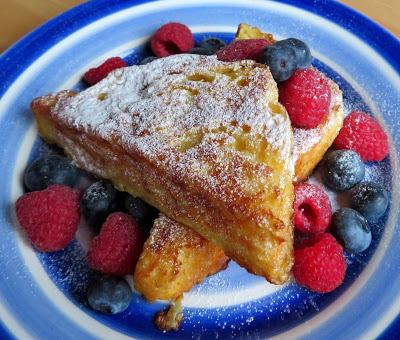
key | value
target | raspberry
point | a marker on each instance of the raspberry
(171, 38)
(306, 97)
(363, 134)
(118, 246)
(49, 217)
(319, 263)
(94, 75)
(243, 49)
(312, 209)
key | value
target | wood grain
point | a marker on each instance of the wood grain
(385, 12)
(18, 17)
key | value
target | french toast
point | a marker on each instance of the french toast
(309, 146)
(206, 142)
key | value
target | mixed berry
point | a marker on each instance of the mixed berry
(370, 199)
(49, 217)
(319, 263)
(200, 51)
(212, 45)
(301, 50)
(109, 294)
(342, 169)
(116, 249)
(208, 46)
(50, 211)
(363, 134)
(284, 57)
(171, 38)
(48, 170)
(312, 209)
(351, 229)
(49, 214)
(139, 209)
(94, 75)
(98, 201)
(306, 97)
(243, 49)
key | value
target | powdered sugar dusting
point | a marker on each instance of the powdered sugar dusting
(165, 231)
(198, 118)
(162, 97)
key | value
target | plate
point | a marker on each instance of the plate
(42, 295)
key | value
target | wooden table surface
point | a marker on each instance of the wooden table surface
(18, 17)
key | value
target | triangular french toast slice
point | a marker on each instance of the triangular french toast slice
(310, 146)
(204, 141)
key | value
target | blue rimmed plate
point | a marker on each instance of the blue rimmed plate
(42, 295)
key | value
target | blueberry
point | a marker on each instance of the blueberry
(281, 60)
(139, 209)
(351, 230)
(199, 51)
(147, 60)
(97, 202)
(109, 294)
(301, 50)
(370, 200)
(342, 169)
(49, 170)
(213, 45)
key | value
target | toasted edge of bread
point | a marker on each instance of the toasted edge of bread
(246, 31)
(174, 258)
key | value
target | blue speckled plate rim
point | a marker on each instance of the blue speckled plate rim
(20, 56)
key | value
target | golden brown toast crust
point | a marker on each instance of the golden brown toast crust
(175, 258)
(212, 152)
(246, 31)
